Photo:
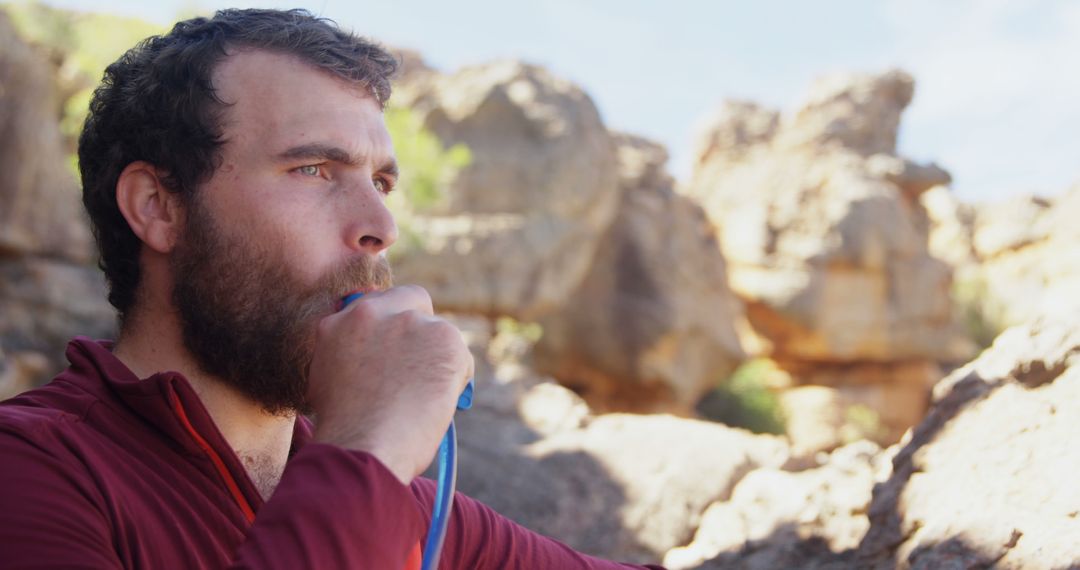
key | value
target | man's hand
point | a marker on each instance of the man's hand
(385, 378)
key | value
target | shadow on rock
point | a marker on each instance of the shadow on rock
(784, 548)
(953, 553)
(568, 496)
(886, 519)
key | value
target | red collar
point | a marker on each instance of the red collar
(167, 402)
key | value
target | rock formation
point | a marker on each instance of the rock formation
(48, 291)
(1021, 260)
(39, 207)
(952, 224)
(784, 519)
(985, 481)
(518, 227)
(652, 326)
(619, 486)
(826, 243)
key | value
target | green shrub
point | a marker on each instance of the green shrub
(426, 168)
(744, 400)
(532, 332)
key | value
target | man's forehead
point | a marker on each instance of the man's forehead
(283, 101)
(242, 64)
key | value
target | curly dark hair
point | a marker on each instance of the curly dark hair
(157, 104)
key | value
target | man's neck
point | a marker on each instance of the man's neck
(152, 343)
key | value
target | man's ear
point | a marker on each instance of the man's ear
(152, 211)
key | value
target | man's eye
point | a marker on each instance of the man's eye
(310, 170)
(382, 185)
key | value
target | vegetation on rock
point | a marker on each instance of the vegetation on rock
(744, 399)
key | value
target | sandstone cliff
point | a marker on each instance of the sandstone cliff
(1015, 259)
(517, 228)
(826, 243)
(985, 481)
(653, 326)
(48, 289)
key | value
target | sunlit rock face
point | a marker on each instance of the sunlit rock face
(985, 480)
(621, 486)
(1015, 259)
(827, 243)
(652, 328)
(517, 228)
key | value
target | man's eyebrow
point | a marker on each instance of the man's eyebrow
(390, 168)
(319, 151)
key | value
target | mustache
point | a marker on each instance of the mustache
(368, 273)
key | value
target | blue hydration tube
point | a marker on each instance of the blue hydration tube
(447, 478)
(444, 495)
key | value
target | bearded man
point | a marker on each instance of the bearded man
(235, 172)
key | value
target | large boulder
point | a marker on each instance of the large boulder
(789, 519)
(48, 290)
(44, 303)
(852, 111)
(1015, 260)
(517, 228)
(652, 326)
(826, 241)
(1026, 263)
(984, 481)
(40, 213)
(999, 439)
(619, 486)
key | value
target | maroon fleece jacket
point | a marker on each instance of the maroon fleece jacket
(101, 469)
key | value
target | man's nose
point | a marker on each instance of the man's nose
(371, 227)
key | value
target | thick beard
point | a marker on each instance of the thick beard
(246, 319)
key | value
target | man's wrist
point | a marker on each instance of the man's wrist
(394, 462)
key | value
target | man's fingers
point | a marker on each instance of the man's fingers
(399, 299)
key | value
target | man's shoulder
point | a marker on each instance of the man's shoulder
(52, 409)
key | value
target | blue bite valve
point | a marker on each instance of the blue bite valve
(464, 401)
(350, 298)
(447, 478)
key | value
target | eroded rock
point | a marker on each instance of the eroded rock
(826, 242)
(1024, 262)
(986, 479)
(619, 486)
(44, 303)
(519, 226)
(48, 290)
(783, 519)
(652, 328)
(40, 213)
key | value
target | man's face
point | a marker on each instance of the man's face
(293, 219)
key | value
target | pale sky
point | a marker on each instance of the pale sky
(997, 99)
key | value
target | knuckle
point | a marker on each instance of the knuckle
(448, 333)
(418, 296)
(406, 320)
